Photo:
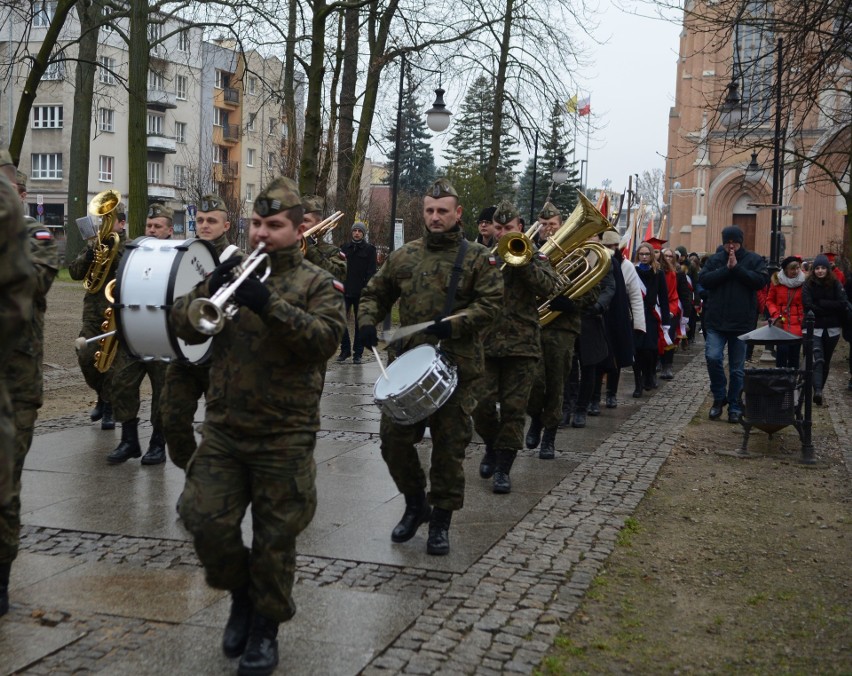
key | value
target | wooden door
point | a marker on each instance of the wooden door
(748, 224)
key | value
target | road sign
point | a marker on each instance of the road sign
(191, 225)
(39, 199)
(191, 209)
(40, 208)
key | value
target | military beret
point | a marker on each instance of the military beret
(281, 194)
(6, 158)
(21, 179)
(506, 212)
(157, 210)
(549, 211)
(311, 204)
(212, 203)
(441, 188)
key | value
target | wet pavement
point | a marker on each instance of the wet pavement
(107, 580)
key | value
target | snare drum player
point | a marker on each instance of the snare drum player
(128, 374)
(438, 275)
(185, 383)
(262, 416)
(512, 350)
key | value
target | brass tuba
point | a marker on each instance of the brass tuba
(104, 204)
(580, 264)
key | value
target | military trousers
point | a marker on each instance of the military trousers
(507, 381)
(7, 445)
(183, 386)
(551, 374)
(10, 511)
(96, 380)
(451, 433)
(277, 476)
(128, 374)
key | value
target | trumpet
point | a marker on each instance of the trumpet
(320, 230)
(208, 315)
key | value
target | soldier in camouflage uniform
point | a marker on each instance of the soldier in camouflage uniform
(511, 352)
(17, 285)
(262, 416)
(94, 305)
(24, 377)
(128, 374)
(319, 252)
(419, 275)
(185, 383)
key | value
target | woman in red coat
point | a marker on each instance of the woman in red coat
(784, 303)
(669, 266)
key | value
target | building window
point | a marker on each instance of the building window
(155, 38)
(252, 85)
(273, 124)
(223, 79)
(46, 166)
(155, 172)
(180, 87)
(180, 176)
(105, 164)
(220, 155)
(106, 119)
(270, 160)
(106, 71)
(250, 157)
(47, 117)
(44, 13)
(183, 41)
(252, 118)
(250, 192)
(156, 81)
(220, 117)
(180, 132)
(55, 71)
(155, 124)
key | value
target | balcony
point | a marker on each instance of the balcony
(226, 133)
(157, 98)
(161, 191)
(231, 96)
(225, 172)
(157, 143)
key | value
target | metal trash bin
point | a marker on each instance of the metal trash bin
(770, 398)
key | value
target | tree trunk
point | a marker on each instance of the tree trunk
(346, 117)
(137, 96)
(313, 103)
(291, 159)
(497, 118)
(81, 127)
(328, 150)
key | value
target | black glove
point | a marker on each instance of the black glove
(253, 294)
(90, 255)
(222, 274)
(369, 337)
(562, 304)
(443, 330)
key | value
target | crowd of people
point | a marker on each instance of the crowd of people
(499, 313)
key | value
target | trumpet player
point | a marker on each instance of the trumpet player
(319, 252)
(511, 352)
(262, 416)
(185, 383)
(128, 374)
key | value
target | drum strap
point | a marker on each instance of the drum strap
(454, 279)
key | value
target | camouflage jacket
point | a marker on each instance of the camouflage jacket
(94, 304)
(329, 258)
(17, 276)
(418, 275)
(24, 370)
(516, 330)
(267, 370)
(220, 244)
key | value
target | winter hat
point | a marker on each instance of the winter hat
(610, 237)
(358, 225)
(788, 260)
(732, 234)
(821, 260)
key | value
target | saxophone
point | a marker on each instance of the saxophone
(104, 204)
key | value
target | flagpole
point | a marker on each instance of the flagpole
(588, 129)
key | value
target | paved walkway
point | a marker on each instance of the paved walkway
(107, 580)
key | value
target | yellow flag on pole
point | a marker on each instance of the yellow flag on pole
(571, 104)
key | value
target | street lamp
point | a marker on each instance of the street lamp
(732, 111)
(558, 176)
(677, 190)
(438, 117)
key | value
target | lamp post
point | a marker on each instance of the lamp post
(534, 176)
(677, 190)
(558, 176)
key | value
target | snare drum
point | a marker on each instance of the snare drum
(152, 274)
(418, 384)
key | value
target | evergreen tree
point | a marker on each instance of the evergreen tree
(416, 159)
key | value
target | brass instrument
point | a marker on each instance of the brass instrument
(516, 248)
(108, 340)
(580, 264)
(208, 315)
(104, 204)
(320, 230)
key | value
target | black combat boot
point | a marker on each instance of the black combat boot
(534, 433)
(637, 379)
(438, 543)
(417, 511)
(156, 453)
(548, 444)
(594, 407)
(261, 655)
(107, 421)
(486, 467)
(239, 623)
(98, 411)
(129, 445)
(579, 419)
(5, 570)
(502, 482)
(666, 373)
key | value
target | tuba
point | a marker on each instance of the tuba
(104, 204)
(580, 264)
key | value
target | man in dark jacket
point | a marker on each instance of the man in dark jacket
(360, 266)
(731, 278)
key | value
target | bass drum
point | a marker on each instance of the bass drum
(153, 273)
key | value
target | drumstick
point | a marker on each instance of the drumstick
(411, 329)
(379, 359)
(81, 342)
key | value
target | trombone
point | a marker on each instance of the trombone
(320, 230)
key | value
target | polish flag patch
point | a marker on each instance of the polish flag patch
(337, 285)
(492, 260)
(43, 235)
(342, 255)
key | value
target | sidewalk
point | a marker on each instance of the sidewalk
(107, 579)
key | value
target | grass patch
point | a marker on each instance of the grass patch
(628, 530)
(63, 275)
(756, 599)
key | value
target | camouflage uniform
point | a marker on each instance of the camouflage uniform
(24, 377)
(182, 388)
(262, 415)
(418, 275)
